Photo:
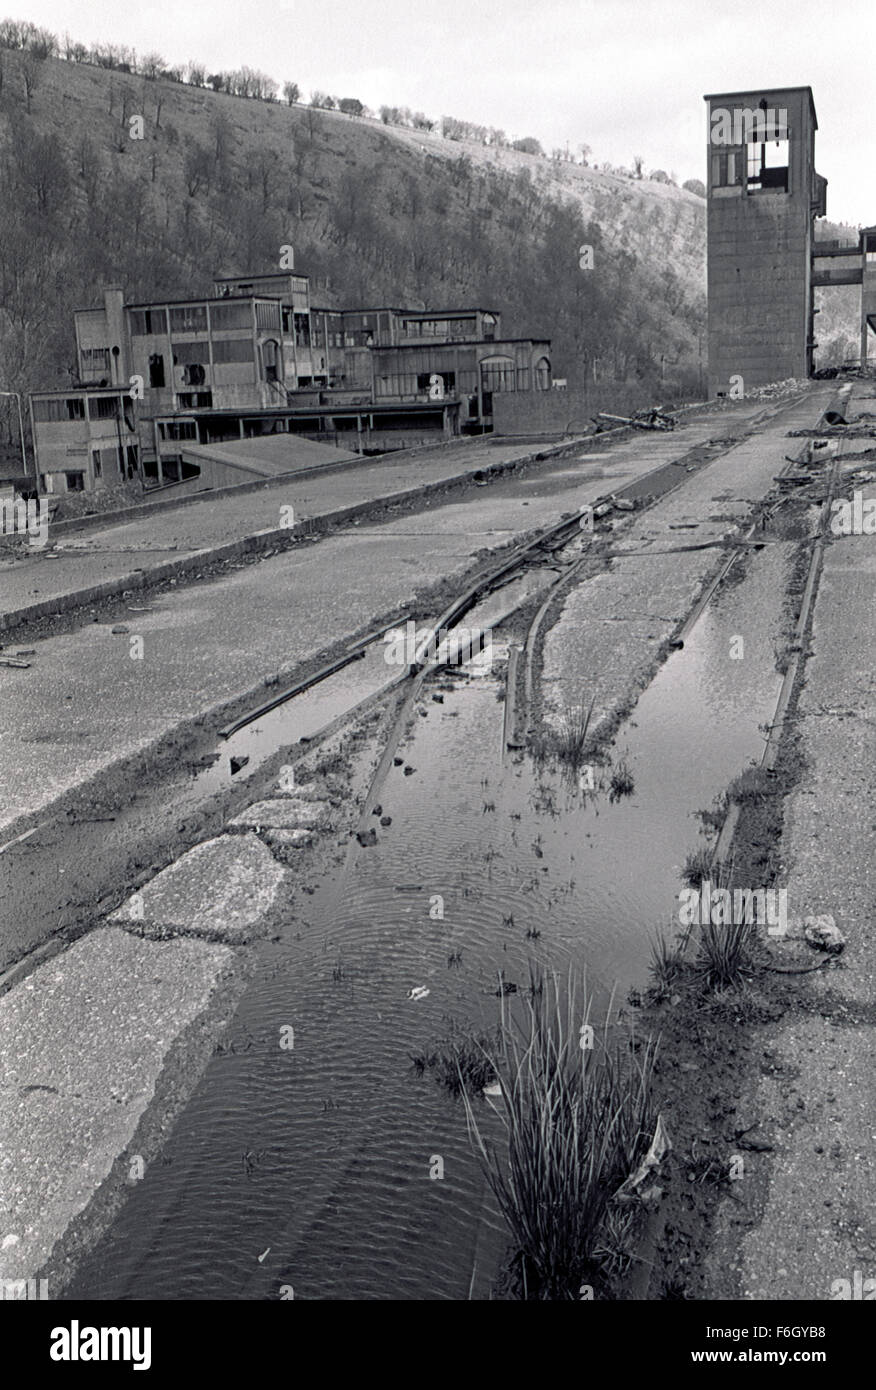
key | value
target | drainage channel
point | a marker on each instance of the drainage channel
(315, 1170)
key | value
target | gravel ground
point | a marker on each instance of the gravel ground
(815, 1092)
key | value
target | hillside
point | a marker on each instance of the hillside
(376, 214)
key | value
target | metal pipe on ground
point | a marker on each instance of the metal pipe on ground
(836, 411)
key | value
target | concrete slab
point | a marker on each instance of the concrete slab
(221, 887)
(82, 1044)
(285, 813)
(289, 839)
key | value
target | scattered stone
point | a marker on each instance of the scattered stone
(408, 770)
(378, 810)
(439, 699)
(823, 934)
(367, 838)
(398, 761)
(119, 630)
(386, 820)
(237, 763)
(625, 504)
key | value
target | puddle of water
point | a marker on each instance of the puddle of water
(323, 1153)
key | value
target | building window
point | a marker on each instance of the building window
(498, 374)
(96, 464)
(156, 371)
(50, 412)
(727, 168)
(195, 400)
(146, 322)
(436, 385)
(302, 330)
(231, 315)
(103, 408)
(232, 350)
(95, 362)
(870, 250)
(271, 360)
(75, 482)
(192, 318)
(543, 374)
(489, 326)
(177, 429)
(268, 317)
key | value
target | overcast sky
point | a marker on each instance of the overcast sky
(624, 76)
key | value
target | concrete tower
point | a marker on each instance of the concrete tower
(763, 194)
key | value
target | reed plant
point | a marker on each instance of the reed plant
(577, 1119)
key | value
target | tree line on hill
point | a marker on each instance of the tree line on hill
(38, 43)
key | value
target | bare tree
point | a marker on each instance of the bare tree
(291, 92)
(31, 72)
(152, 66)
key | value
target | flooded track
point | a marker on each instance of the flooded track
(309, 1169)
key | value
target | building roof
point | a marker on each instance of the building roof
(494, 343)
(80, 391)
(203, 299)
(412, 313)
(260, 275)
(762, 91)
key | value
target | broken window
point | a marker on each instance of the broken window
(302, 330)
(543, 374)
(95, 362)
(870, 249)
(436, 384)
(231, 315)
(191, 318)
(95, 463)
(73, 408)
(156, 370)
(177, 429)
(75, 482)
(146, 322)
(767, 166)
(103, 407)
(498, 374)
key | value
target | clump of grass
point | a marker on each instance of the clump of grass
(577, 1120)
(753, 784)
(621, 783)
(571, 739)
(667, 962)
(725, 953)
(713, 819)
(697, 866)
(459, 1062)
